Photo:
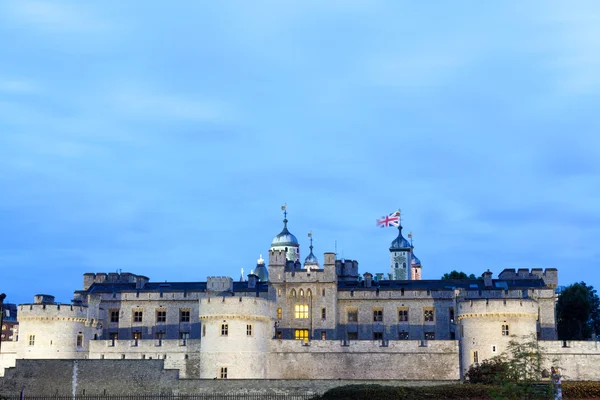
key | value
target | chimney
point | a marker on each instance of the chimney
(487, 278)
(252, 279)
(368, 279)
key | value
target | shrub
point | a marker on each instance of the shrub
(489, 372)
(581, 390)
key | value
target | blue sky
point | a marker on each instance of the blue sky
(162, 140)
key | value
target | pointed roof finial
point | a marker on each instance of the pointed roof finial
(284, 209)
(410, 237)
(260, 260)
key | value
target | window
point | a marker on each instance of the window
(184, 315)
(114, 315)
(113, 336)
(505, 331)
(377, 335)
(429, 335)
(494, 348)
(403, 315)
(293, 293)
(352, 315)
(323, 293)
(323, 335)
(137, 316)
(248, 330)
(403, 335)
(279, 335)
(308, 293)
(159, 335)
(323, 313)
(183, 338)
(301, 311)
(80, 340)
(279, 292)
(31, 340)
(377, 315)
(451, 314)
(203, 330)
(428, 315)
(301, 334)
(301, 293)
(352, 335)
(475, 357)
(137, 335)
(223, 373)
(224, 329)
(161, 316)
(279, 313)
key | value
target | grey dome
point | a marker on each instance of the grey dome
(415, 261)
(285, 238)
(311, 259)
(400, 243)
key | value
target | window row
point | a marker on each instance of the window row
(225, 330)
(402, 314)
(160, 315)
(301, 311)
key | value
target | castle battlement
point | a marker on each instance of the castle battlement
(549, 275)
(67, 312)
(219, 284)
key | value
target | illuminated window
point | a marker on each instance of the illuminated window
(114, 315)
(301, 334)
(301, 293)
(248, 330)
(161, 316)
(223, 373)
(137, 335)
(403, 315)
(428, 315)
(279, 313)
(293, 293)
(137, 316)
(505, 331)
(224, 329)
(301, 311)
(309, 293)
(31, 340)
(279, 292)
(323, 335)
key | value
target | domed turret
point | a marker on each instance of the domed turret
(415, 261)
(286, 241)
(261, 270)
(311, 259)
(400, 243)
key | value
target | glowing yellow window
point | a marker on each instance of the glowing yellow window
(301, 311)
(301, 334)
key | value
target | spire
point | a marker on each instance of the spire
(284, 209)
(310, 259)
(242, 276)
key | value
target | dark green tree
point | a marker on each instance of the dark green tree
(578, 312)
(457, 275)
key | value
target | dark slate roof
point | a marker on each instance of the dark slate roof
(442, 284)
(166, 287)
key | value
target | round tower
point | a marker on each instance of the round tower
(261, 270)
(287, 242)
(235, 333)
(51, 330)
(485, 326)
(400, 257)
(415, 268)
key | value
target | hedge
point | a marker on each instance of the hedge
(571, 390)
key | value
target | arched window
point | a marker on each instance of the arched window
(293, 293)
(308, 293)
(301, 292)
(396, 265)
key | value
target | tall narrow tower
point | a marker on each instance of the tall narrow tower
(400, 257)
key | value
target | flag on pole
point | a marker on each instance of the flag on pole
(389, 220)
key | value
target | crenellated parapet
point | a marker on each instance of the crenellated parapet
(219, 284)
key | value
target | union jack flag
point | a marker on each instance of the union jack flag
(389, 220)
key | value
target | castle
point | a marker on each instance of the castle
(311, 320)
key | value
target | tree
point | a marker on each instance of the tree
(457, 275)
(578, 312)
